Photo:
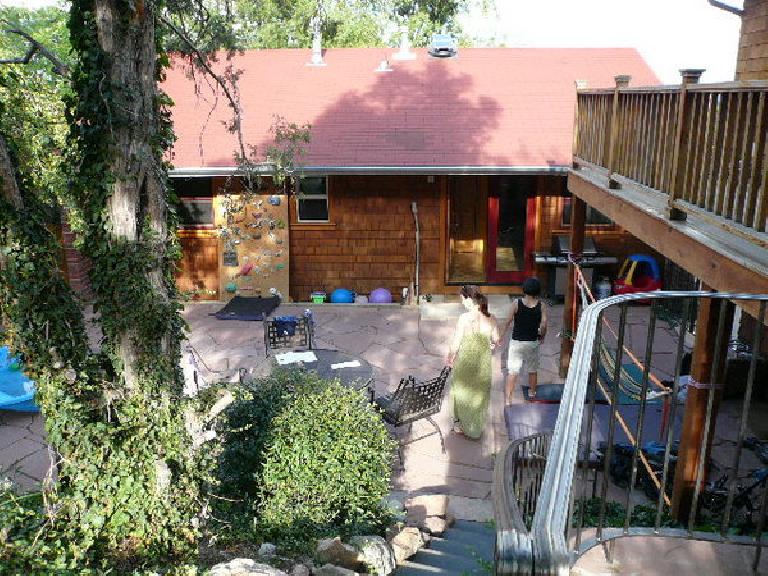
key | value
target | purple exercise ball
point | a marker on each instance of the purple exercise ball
(380, 296)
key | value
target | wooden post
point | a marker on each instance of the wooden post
(580, 85)
(679, 157)
(622, 81)
(571, 308)
(690, 453)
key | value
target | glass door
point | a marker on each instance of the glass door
(467, 222)
(511, 228)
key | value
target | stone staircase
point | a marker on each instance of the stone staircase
(465, 549)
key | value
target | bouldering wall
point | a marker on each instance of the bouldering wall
(253, 232)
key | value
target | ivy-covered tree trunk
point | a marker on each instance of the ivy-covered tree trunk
(141, 496)
(130, 471)
(122, 130)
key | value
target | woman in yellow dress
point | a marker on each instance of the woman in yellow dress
(473, 342)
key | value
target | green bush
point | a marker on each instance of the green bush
(246, 429)
(327, 466)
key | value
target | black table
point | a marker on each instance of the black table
(357, 377)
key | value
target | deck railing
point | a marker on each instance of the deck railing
(607, 417)
(703, 145)
(516, 485)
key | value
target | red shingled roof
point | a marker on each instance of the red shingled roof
(485, 107)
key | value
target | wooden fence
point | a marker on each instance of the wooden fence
(702, 145)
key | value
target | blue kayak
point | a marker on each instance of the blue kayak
(17, 392)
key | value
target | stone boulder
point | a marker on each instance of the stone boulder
(334, 551)
(406, 543)
(245, 567)
(427, 505)
(332, 570)
(300, 570)
(375, 553)
(267, 550)
(436, 525)
(429, 512)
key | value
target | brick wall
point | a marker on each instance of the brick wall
(752, 61)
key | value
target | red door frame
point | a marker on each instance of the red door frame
(493, 238)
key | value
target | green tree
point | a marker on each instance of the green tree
(130, 472)
(47, 26)
(286, 23)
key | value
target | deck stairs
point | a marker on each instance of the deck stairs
(465, 549)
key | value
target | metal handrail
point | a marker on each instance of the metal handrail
(549, 550)
(514, 500)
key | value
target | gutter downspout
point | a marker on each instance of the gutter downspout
(726, 7)
(415, 210)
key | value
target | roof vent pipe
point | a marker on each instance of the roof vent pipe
(405, 46)
(316, 24)
(384, 66)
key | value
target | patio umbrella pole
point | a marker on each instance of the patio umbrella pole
(415, 210)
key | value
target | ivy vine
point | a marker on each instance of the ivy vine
(130, 477)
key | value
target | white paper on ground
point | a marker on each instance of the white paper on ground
(294, 357)
(353, 364)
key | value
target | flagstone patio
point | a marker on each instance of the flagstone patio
(395, 340)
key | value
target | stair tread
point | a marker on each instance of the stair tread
(483, 548)
(471, 526)
(414, 569)
(458, 552)
(458, 533)
(447, 560)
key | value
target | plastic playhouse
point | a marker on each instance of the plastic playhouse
(639, 273)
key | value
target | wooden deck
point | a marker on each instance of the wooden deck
(685, 170)
(722, 260)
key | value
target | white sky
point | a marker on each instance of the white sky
(670, 34)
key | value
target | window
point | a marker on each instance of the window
(195, 207)
(312, 199)
(593, 217)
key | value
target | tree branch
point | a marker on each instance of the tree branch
(36, 47)
(202, 61)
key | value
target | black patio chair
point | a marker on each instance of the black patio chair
(294, 334)
(414, 400)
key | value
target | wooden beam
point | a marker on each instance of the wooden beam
(571, 308)
(444, 257)
(705, 351)
(675, 240)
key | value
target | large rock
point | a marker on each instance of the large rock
(267, 549)
(300, 570)
(245, 567)
(407, 543)
(419, 508)
(333, 570)
(375, 553)
(437, 525)
(334, 551)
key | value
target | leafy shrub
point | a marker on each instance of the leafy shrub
(327, 465)
(246, 428)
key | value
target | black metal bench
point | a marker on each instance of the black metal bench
(414, 400)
